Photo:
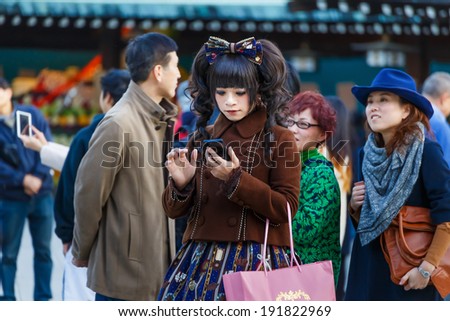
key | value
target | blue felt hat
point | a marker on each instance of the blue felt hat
(397, 82)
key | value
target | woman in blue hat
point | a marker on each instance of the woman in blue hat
(399, 165)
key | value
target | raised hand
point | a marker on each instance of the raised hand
(358, 195)
(179, 167)
(36, 141)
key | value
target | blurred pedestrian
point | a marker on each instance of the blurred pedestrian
(52, 154)
(121, 233)
(25, 194)
(436, 89)
(293, 83)
(338, 150)
(113, 85)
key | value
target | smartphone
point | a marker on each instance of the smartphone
(23, 123)
(216, 145)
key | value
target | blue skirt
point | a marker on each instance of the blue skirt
(196, 272)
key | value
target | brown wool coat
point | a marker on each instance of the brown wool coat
(120, 224)
(264, 193)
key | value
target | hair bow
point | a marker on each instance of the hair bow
(250, 48)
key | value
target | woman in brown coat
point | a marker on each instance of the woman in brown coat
(228, 195)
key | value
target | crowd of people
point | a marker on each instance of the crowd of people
(151, 206)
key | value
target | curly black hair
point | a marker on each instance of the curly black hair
(265, 84)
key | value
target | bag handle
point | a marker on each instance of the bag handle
(291, 241)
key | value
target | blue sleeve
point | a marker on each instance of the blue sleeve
(10, 176)
(441, 131)
(64, 208)
(358, 165)
(11, 170)
(436, 177)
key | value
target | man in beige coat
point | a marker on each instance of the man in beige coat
(121, 232)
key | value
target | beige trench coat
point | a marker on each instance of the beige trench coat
(120, 224)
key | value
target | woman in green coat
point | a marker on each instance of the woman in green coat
(316, 225)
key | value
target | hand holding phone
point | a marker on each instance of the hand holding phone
(222, 167)
(35, 142)
(218, 146)
(23, 123)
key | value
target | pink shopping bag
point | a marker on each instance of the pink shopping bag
(305, 282)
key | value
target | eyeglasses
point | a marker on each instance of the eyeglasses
(300, 124)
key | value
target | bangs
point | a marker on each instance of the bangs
(233, 71)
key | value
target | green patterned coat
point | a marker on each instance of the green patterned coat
(316, 224)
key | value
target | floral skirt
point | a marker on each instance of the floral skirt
(196, 272)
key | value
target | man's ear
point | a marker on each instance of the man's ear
(443, 98)
(157, 72)
(9, 92)
(109, 100)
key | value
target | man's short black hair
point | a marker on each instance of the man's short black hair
(4, 83)
(146, 51)
(115, 82)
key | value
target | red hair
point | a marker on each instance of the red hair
(321, 110)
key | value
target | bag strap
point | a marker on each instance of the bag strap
(291, 241)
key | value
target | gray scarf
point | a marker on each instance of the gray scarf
(389, 182)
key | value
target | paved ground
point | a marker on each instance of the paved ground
(25, 275)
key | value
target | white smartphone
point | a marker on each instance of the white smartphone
(23, 123)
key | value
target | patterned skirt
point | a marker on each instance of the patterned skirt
(196, 272)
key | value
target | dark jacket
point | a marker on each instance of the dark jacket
(16, 160)
(264, 193)
(64, 209)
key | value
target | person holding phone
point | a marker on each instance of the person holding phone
(52, 154)
(228, 201)
(25, 194)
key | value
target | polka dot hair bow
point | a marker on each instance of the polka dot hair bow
(249, 48)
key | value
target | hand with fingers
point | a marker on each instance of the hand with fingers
(221, 168)
(36, 141)
(31, 184)
(417, 278)
(358, 195)
(180, 169)
(66, 247)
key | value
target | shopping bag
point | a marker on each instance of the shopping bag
(298, 282)
(307, 282)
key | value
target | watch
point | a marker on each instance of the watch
(424, 273)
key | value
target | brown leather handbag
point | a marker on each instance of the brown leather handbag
(405, 244)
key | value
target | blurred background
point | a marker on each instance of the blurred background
(54, 51)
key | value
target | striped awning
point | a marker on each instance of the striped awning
(319, 16)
